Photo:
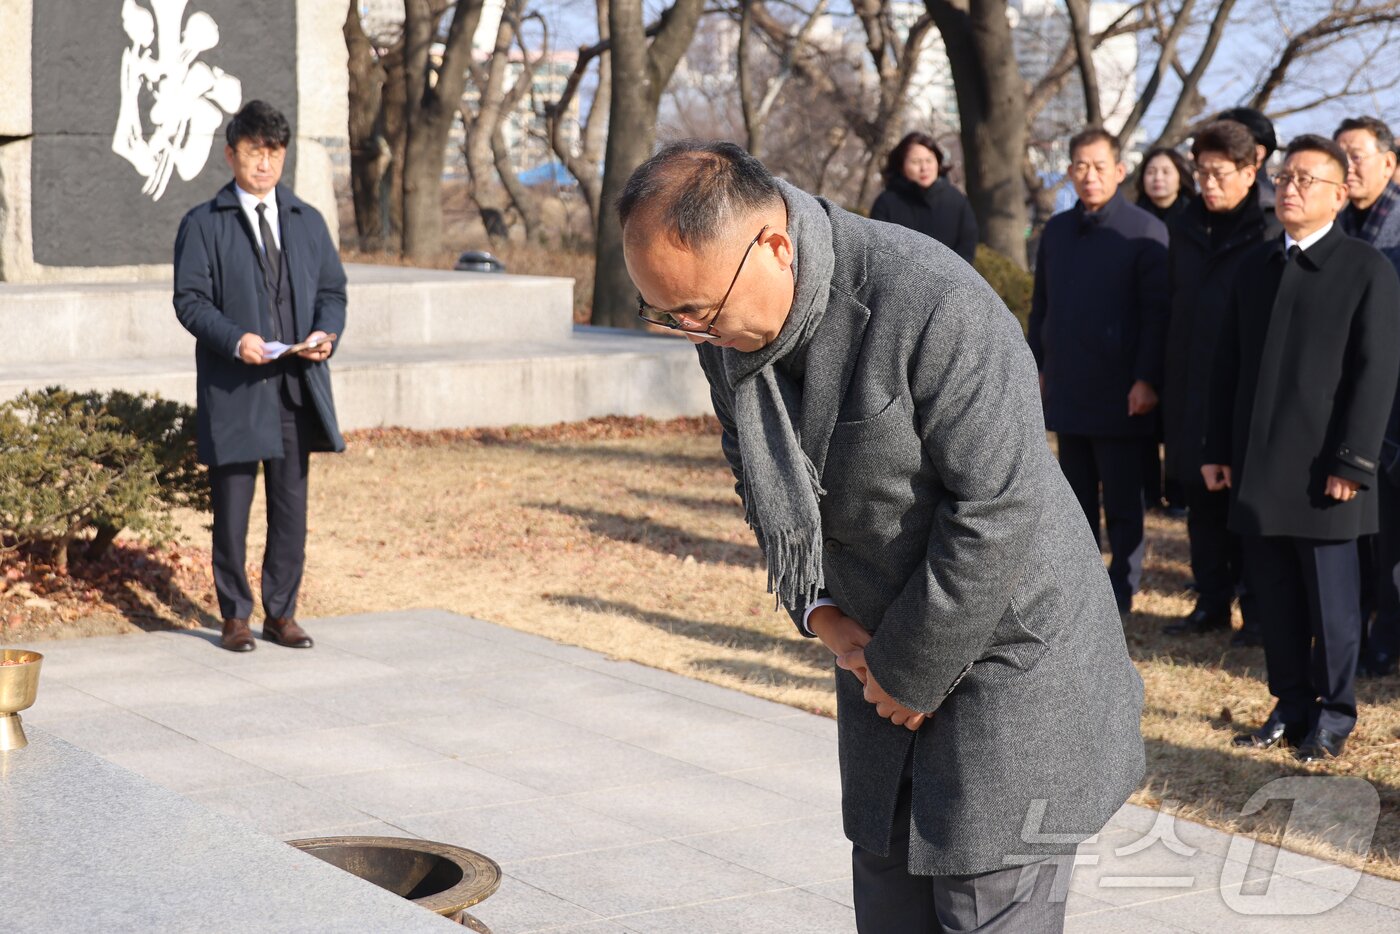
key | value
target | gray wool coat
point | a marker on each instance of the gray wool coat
(952, 536)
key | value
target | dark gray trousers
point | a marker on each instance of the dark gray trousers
(1016, 900)
(284, 480)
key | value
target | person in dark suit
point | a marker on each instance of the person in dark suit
(1304, 381)
(1097, 327)
(880, 415)
(255, 268)
(1373, 215)
(919, 196)
(1165, 187)
(1208, 242)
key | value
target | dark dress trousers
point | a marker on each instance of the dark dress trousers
(273, 414)
(951, 535)
(1098, 323)
(1204, 259)
(1380, 227)
(1303, 384)
(939, 211)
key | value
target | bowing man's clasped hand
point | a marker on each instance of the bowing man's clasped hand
(847, 639)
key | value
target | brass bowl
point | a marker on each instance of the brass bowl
(440, 877)
(19, 685)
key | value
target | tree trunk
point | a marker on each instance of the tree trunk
(434, 94)
(992, 104)
(366, 100)
(639, 74)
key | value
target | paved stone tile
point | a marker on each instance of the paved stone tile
(492, 728)
(446, 653)
(603, 763)
(652, 719)
(517, 908)
(280, 808)
(560, 686)
(373, 828)
(60, 701)
(817, 725)
(1364, 886)
(836, 890)
(816, 781)
(509, 833)
(199, 687)
(1085, 915)
(713, 694)
(115, 730)
(313, 670)
(647, 877)
(267, 714)
(1108, 869)
(391, 794)
(788, 911)
(693, 805)
(397, 697)
(797, 852)
(133, 656)
(191, 767)
(740, 743)
(328, 752)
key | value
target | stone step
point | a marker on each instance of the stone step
(590, 372)
(390, 306)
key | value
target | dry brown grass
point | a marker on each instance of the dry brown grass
(631, 542)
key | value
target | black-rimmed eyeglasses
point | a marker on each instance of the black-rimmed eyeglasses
(674, 322)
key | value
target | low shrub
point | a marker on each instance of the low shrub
(73, 464)
(1008, 280)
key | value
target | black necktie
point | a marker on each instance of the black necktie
(1294, 252)
(274, 255)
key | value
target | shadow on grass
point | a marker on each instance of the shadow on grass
(725, 506)
(759, 673)
(665, 539)
(141, 585)
(628, 456)
(808, 651)
(1213, 785)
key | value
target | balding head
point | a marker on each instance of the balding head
(698, 193)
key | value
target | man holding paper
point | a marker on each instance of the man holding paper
(259, 284)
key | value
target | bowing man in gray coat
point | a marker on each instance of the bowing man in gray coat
(252, 266)
(881, 414)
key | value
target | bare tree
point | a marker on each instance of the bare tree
(641, 68)
(758, 109)
(434, 91)
(585, 164)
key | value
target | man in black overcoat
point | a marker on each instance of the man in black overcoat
(256, 270)
(1303, 385)
(1097, 328)
(1208, 242)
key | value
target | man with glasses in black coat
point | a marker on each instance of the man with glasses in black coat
(1304, 380)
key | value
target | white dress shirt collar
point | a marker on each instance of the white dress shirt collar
(1307, 241)
(250, 203)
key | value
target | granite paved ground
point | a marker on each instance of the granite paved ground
(617, 798)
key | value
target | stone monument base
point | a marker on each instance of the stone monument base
(423, 349)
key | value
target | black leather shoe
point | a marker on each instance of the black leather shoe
(1246, 639)
(237, 637)
(1198, 621)
(1321, 744)
(1273, 732)
(1376, 665)
(286, 632)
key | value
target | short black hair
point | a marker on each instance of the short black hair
(259, 122)
(1311, 142)
(1258, 125)
(1230, 138)
(894, 162)
(1095, 134)
(1178, 161)
(699, 189)
(1385, 140)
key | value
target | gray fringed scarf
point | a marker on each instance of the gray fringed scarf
(781, 485)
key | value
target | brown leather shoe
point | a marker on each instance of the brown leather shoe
(237, 636)
(287, 633)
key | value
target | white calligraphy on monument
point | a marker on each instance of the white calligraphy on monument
(187, 98)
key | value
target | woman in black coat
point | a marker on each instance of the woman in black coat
(917, 196)
(1165, 185)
